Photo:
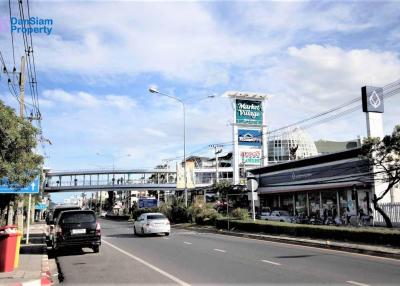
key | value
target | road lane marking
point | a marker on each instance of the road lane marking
(291, 245)
(185, 242)
(165, 237)
(220, 250)
(155, 268)
(357, 283)
(271, 262)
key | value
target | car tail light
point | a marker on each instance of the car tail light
(167, 222)
(98, 228)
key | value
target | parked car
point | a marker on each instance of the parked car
(148, 223)
(279, 215)
(77, 228)
(52, 217)
(103, 214)
(265, 211)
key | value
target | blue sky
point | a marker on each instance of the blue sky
(96, 66)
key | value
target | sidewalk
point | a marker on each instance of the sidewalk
(369, 249)
(34, 267)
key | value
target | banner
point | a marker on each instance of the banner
(190, 176)
(250, 138)
(249, 112)
(250, 157)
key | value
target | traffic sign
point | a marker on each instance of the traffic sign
(7, 188)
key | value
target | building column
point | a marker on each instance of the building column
(338, 203)
(308, 205)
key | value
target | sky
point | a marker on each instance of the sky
(95, 67)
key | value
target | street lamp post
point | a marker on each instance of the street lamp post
(154, 90)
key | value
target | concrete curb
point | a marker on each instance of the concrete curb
(327, 244)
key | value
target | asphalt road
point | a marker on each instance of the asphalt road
(187, 257)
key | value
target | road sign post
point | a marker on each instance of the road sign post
(252, 185)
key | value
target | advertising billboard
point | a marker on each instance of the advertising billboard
(249, 112)
(190, 176)
(147, 203)
(372, 99)
(250, 157)
(250, 138)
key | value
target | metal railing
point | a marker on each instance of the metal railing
(391, 209)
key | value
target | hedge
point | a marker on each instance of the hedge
(378, 236)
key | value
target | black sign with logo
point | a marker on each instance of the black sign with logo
(372, 99)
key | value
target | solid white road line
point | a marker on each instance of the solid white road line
(185, 242)
(271, 262)
(155, 268)
(220, 250)
(357, 283)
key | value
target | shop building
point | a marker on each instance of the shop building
(336, 185)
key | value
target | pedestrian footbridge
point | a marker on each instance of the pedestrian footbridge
(101, 180)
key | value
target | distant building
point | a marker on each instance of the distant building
(327, 147)
(289, 145)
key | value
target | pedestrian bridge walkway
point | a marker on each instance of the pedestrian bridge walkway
(87, 180)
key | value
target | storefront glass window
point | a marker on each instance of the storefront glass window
(301, 204)
(313, 199)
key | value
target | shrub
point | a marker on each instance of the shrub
(207, 216)
(242, 214)
(364, 235)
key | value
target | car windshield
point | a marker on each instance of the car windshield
(58, 211)
(77, 218)
(157, 216)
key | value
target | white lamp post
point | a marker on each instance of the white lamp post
(154, 90)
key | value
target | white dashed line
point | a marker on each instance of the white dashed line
(271, 262)
(220, 250)
(357, 283)
(155, 268)
(185, 242)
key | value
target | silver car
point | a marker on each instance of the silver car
(278, 215)
(152, 223)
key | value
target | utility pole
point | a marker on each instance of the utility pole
(217, 150)
(20, 203)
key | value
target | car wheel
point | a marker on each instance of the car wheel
(282, 220)
(167, 233)
(134, 230)
(96, 249)
(142, 231)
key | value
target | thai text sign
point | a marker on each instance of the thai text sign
(8, 188)
(250, 156)
(250, 138)
(249, 112)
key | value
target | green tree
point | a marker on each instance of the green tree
(385, 157)
(18, 162)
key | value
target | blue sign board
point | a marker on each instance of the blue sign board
(251, 138)
(40, 206)
(147, 203)
(8, 188)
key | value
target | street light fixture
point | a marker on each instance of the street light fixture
(154, 90)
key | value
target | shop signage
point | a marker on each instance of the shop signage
(318, 174)
(250, 156)
(251, 138)
(9, 188)
(249, 112)
(372, 99)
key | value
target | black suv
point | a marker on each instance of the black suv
(77, 228)
(52, 217)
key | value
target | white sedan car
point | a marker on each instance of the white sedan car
(152, 223)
